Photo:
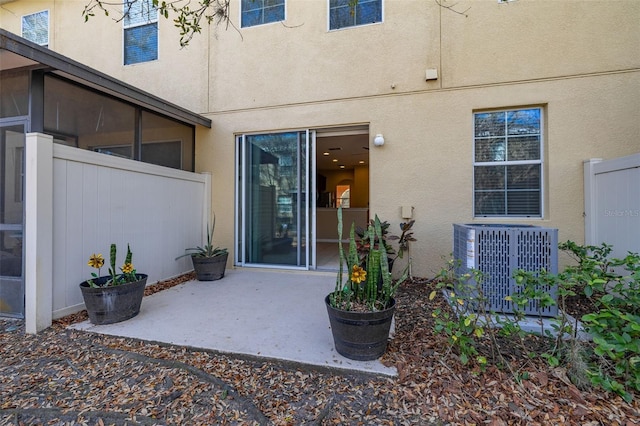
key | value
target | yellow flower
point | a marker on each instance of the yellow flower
(358, 274)
(96, 261)
(127, 268)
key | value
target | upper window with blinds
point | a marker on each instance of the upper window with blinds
(35, 27)
(508, 165)
(349, 13)
(258, 12)
(140, 31)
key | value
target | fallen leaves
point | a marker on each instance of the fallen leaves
(70, 377)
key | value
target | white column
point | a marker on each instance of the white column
(38, 232)
(590, 202)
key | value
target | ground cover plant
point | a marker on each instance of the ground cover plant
(599, 347)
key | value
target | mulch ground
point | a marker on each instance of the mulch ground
(68, 377)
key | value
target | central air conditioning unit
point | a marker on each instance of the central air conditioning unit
(498, 251)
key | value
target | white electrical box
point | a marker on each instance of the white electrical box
(407, 212)
(431, 74)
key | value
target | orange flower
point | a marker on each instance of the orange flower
(96, 261)
(358, 274)
(127, 268)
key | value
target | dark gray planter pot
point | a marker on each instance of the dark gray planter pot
(210, 268)
(361, 336)
(108, 305)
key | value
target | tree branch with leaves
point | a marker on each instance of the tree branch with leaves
(187, 16)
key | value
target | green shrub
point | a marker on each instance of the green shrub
(611, 361)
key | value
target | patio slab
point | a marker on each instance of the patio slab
(257, 312)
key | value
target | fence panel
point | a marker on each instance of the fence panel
(612, 203)
(82, 201)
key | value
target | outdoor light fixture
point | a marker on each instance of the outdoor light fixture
(378, 140)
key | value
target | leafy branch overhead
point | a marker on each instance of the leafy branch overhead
(189, 20)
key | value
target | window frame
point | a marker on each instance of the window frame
(507, 163)
(355, 24)
(45, 11)
(284, 14)
(128, 26)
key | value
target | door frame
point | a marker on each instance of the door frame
(240, 207)
(24, 123)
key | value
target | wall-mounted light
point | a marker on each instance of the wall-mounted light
(378, 140)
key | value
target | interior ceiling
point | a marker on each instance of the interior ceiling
(348, 150)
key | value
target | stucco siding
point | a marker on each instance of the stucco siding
(427, 159)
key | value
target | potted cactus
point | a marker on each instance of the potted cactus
(362, 305)
(115, 297)
(209, 262)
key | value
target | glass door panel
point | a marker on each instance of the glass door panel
(11, 220)
(273, 206)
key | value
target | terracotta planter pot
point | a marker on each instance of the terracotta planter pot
(108, 305)
(210, 268)
(361, 336)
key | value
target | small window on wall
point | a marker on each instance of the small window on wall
(35, 27)
(347, 13)
(140, 32)
(258, 12)
(508, 166)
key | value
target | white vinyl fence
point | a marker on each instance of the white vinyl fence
(612, 203)
(78, 202)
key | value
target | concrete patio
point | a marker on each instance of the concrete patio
(257, 312)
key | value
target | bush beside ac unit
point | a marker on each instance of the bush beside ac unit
(498, 251)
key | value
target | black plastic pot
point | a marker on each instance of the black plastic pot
(108, 305)
(210, 268)
(361, 336)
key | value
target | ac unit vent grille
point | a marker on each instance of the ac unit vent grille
(498, 251)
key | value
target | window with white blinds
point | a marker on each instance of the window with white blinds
(508, 165)
(140, 31)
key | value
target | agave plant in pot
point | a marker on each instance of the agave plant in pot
(362, 305)
(115, 297)
(209, 262)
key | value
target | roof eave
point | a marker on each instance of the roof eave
(87, 75)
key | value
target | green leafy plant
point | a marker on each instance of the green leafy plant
(368, 285)
(364, 240)
(127, 271)
(612, 285)
(464, 326)
(615, 327)
(406, 236)
(207, 250)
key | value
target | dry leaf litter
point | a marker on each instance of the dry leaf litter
(69, 377)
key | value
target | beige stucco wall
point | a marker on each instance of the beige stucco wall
(426, 161)
(578, 60)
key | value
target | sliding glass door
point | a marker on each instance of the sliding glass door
(273, 206)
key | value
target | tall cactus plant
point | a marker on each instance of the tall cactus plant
(368, 284)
